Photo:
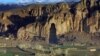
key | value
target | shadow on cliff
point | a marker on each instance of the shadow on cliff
(52, 36)
(91, 12)
(18, 23)
(93, 9)
(43, 18)
(73, 11)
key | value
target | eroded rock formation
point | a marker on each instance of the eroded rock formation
(36, 20)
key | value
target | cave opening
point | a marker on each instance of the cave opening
(52, 36)
(86, 28)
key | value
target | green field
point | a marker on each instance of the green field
(11, 52)
(52, 51)
(70, 51)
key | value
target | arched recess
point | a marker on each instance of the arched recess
(52, 34)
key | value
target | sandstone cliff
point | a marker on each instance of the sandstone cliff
(51, 20)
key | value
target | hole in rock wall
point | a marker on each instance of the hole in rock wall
(52, 36)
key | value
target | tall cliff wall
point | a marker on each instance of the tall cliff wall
(51, 20)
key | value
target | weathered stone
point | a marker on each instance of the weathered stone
(36, 20)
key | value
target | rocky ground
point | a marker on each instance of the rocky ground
(73, 39)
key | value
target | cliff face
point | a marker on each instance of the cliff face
(51, 20)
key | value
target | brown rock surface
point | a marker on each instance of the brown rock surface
(37, 20)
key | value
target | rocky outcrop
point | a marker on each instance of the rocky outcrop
(47, 21)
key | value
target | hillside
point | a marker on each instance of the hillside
(49, 22)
